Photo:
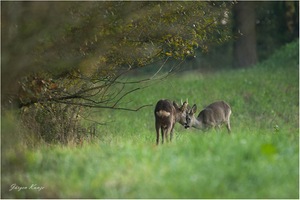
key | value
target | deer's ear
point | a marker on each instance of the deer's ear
(175, 105)
(184, 105)
(194, 108)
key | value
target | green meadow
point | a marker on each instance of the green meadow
(259, 159)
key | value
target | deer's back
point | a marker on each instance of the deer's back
(216, 112)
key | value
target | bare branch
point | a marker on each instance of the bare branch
(125, 95)
(102, 107)
(160, 68)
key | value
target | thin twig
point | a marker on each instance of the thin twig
(160, 68)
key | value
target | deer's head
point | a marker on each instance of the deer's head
(181, 112)
(189, 116)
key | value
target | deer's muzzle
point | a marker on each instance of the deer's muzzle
(186, 126)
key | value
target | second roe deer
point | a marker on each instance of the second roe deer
(167, 113)
(214, 115)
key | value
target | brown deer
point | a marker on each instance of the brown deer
(167, 113)
(214, 115)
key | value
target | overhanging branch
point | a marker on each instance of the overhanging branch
(103, 107)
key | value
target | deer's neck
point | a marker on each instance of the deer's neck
(197, 123)
(178, 118)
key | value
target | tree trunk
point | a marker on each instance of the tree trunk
(244, 52)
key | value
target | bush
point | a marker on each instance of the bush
(55, 123)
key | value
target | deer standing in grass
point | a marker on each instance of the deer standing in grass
(167, 113)
(214, 115)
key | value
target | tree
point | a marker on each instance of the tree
(96, 42)
(244, 50)
(277, 24)
(262, 27)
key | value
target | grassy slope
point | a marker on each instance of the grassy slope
(259, 160)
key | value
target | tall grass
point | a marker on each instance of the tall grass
(260, 159)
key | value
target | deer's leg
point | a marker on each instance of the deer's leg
(171, 132)
(228, 126)
(162, 134)
(210, 125)
(167, 131)
(157, 133)
(217, 128)
(228, 122)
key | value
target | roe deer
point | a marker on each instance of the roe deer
(214, 115)
(167, 113)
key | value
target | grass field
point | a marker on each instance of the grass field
(260, 159)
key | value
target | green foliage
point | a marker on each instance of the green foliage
(260, 159)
